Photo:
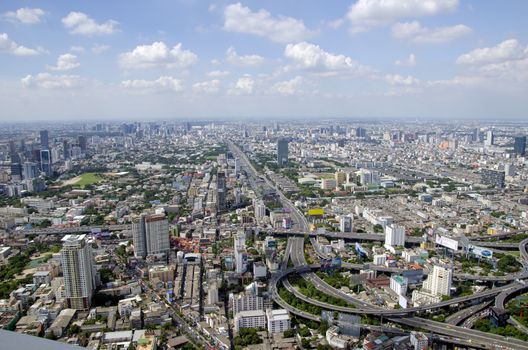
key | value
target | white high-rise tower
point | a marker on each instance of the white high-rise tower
(78, 269)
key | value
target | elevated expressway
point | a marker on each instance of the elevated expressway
(447, 333)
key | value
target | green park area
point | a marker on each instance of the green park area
(84, 180)
(88, 179)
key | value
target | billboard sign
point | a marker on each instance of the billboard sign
(480, 251)
(330, 264)
(360, 250)
(446, 242)
(316, 212)
(336, 263)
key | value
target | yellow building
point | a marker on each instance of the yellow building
(163, 273)
(340, 178)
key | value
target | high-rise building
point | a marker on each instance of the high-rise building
(78, 269)
(221, 189)
(490, 138)
(260, 209)
(29, 170)
(66, 152)
(477, 135)
(439, 281)
(509, 170)
(16, 171)
(369, 177)
(45, 161)
(151, 235)
(519, 146)
(282, 152)
(240, 253)
(492, 178)
(394, 235)
(340, 177)
(237, 166)
(44, 141)
(16, 168)
(360, 132)
(83, 142)
(345, 223)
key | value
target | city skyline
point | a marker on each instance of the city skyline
(218, 60)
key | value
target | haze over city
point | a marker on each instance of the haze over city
(195, 59)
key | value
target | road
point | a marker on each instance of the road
(295, 252)
(459, 316)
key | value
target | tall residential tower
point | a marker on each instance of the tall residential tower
(78, 269)
(151, 235)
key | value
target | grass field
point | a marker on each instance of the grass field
(88, 179)
(83, 180)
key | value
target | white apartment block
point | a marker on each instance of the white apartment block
(278, 320)
(247, 302)
(394, 235)
(250, 319)
(439, 281)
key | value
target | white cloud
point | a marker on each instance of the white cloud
(25, 15)
(157, 55)
(415, 32)
(279, 29)
(506, 50)
(98, 49)
(244, 86)
(65, 62)
(396, 79)
(507, 60)
(218, 73)
(163, 83)
(49, 81)
(9, 46)
(336, 23)
(245, 60)
(287, 87)
(365, 14)
(459, 80)
(79, 49)
(209, 87)
(311, 56)
(81, 23)
(409, 62)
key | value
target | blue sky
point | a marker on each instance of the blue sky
(445, 59)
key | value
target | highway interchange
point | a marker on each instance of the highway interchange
(446, 332)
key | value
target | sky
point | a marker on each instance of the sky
(190, 59)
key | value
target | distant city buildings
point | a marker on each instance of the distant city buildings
(492, 178)
(490, 138)
(44, 139)
(519, 145)
(282, 152)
